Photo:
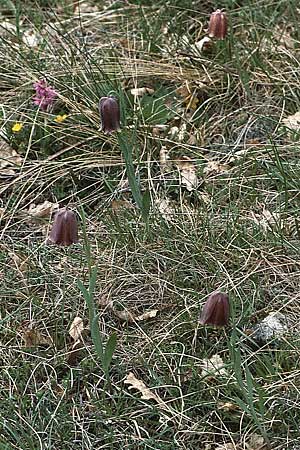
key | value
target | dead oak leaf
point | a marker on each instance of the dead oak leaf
(227, 446)
(164, 160)
(164, 207)
(127, 316)
(139, 92)
(256, 442)
(76, 332)
(188, 173)
(117, 205)
(147, 315)
(33, 337)
(213, 367)
(76, 329)
(215, 168)
(147, 394)
(189, 96)
(31, 38)
(227, 406)
(9, 159)
(293, 121)
(21, 263)
(42, 210)
(266, 219)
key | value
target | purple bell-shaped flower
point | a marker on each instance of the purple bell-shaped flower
(110, 114)
(64, 229)
(216, 310)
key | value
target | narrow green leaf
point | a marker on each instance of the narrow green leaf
(109, 351)
(97, 338)
(146, 203)
(133, 183)
(83, 290)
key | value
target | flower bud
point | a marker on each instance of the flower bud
(216, 310)
(217, 25)
(64, 229)
(110, 114)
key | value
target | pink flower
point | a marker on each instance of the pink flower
(44, 94)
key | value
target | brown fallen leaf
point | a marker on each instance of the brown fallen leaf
(128, 316)
(293, 121)
(147, 394)
(9, 159)
(227, 446)
(213, 367)
(147, 315)
(77, 333)
(202, 45)
(266, 219)
(42, 210)
(123, 315)
(189, 95)
(256, 442)
(164, 160)
(117, 205)
(33, 337)
(188, 173)
(31, 38)
(227, 406)
(76, 329)
(21, 263)
(139, 92)
(215, 168)
(165, 208)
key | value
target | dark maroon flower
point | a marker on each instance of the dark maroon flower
(216, 310)
(217, 24)
(64, 229)
(110, 114)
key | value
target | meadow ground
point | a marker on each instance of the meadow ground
(198, 192)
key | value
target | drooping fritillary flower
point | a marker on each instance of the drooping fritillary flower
(217, 25)
(110, 114)
(64, 230)
(216, 310)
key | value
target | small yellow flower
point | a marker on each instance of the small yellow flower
(17, 127)
(60, 119)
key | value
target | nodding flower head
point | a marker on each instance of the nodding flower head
(216, 310)
(217, 24)
(44, 94)
(110, 114)
(64, 229)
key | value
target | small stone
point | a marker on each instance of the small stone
(271, 327)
